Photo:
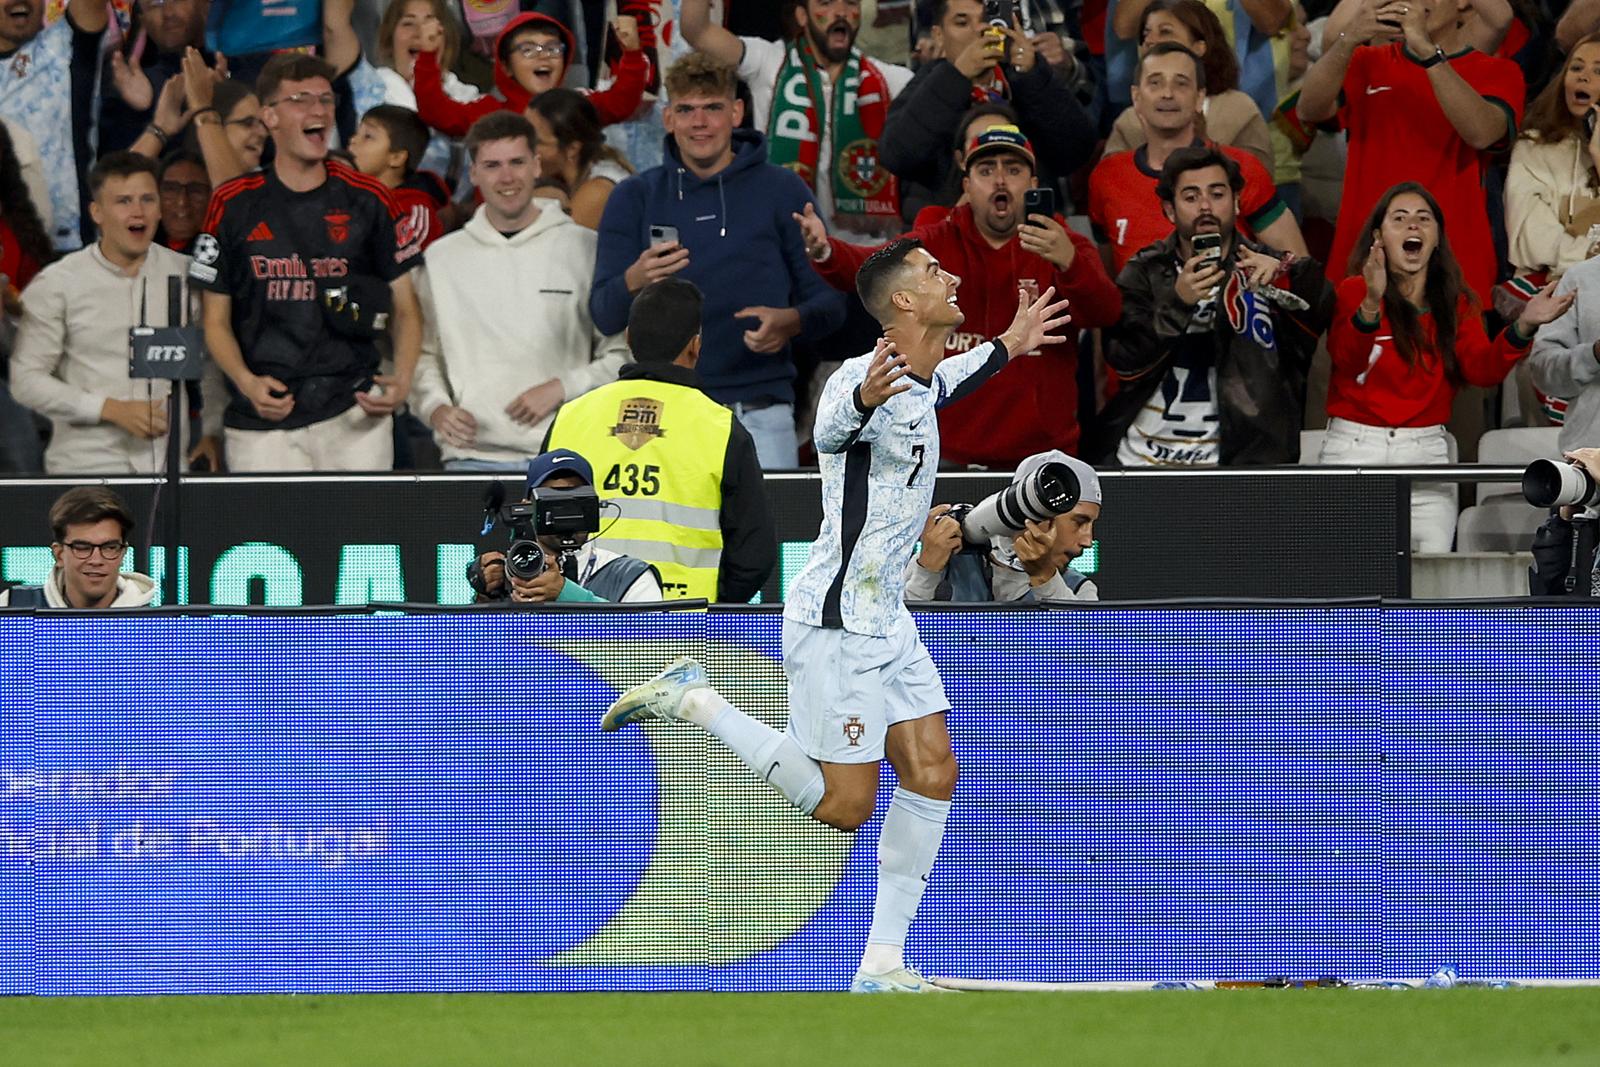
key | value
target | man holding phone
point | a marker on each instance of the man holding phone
(1216, 336)
(1006, 236)
(718, 214)
(1169, 92)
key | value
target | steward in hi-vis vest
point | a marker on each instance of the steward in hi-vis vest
(681, 470)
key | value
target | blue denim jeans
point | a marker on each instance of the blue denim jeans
(772, 428)
(20, 450)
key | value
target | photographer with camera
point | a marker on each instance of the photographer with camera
(1564, 555)
(1027, 565)
(551, 557)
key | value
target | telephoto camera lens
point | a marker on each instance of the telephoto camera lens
(525, 560)
(1049, 491)
(1549, 484)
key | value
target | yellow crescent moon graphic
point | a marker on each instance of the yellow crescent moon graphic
(736, 869)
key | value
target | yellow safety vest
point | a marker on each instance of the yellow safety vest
(657, 449)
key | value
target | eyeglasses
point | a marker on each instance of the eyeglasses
(253, 121)
(198, 190)
(530, 50)
(305, 99)
(108, 549)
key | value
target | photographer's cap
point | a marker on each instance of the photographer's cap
(1088, 480)
(998, 139)
(542, 468)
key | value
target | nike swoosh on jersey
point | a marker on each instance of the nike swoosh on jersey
(1374, 90)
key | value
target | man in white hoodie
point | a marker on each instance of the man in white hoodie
(505, 301)
(90, 527)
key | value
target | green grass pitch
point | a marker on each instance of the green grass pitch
(1418, 1028)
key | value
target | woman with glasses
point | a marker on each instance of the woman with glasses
(200, 111)
(185, 191)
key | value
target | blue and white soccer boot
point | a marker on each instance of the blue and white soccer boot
(659, 698)
(902, 980)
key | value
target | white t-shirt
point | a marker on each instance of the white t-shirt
(1179, 426)
(760, 66)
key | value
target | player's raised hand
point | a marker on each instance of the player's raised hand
(888, 366)
(1035, 324)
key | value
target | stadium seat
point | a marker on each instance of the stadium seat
(1502, 521)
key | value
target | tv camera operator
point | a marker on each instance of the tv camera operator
(1564, 547)
(1014, 545)
(550, 557)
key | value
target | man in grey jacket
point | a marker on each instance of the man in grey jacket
(1565, 358)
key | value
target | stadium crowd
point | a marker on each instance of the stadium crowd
(413, 245)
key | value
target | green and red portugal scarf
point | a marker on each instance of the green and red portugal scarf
(862, 186)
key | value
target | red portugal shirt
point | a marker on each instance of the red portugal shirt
(1127, 215)
(1399, 133)
(1371, 382)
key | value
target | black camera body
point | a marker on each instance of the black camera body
(569, 516)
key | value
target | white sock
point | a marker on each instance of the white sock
(913, 827)
(772, 755)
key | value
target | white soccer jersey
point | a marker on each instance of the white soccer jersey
(878, 467)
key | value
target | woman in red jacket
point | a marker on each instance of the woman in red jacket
(1406, 334)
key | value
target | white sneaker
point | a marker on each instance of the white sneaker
(659, 698)
(904, 980)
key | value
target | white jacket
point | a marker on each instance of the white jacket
(1544, 185)
(502, 315)
(134, 590)
(71, 355)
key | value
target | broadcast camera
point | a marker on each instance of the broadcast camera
(569, 516)
(1049, 491)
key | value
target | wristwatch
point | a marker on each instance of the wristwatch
(1433, 60)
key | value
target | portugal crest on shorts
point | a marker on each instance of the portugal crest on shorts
(853, 731)
(338, 226)
(859, 167)
(638, 421)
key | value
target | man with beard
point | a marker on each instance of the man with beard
(1168, 92)
(132, 81)
(828, 137)
(1032, 405)
(47, 87)
(301, 265)
(1214, 344)
(862, 687)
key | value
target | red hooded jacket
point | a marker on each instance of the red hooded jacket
(616, 104)
(1032, 405)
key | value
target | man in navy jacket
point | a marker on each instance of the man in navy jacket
(718, 214)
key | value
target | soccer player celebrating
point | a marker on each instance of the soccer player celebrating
(861, 684)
